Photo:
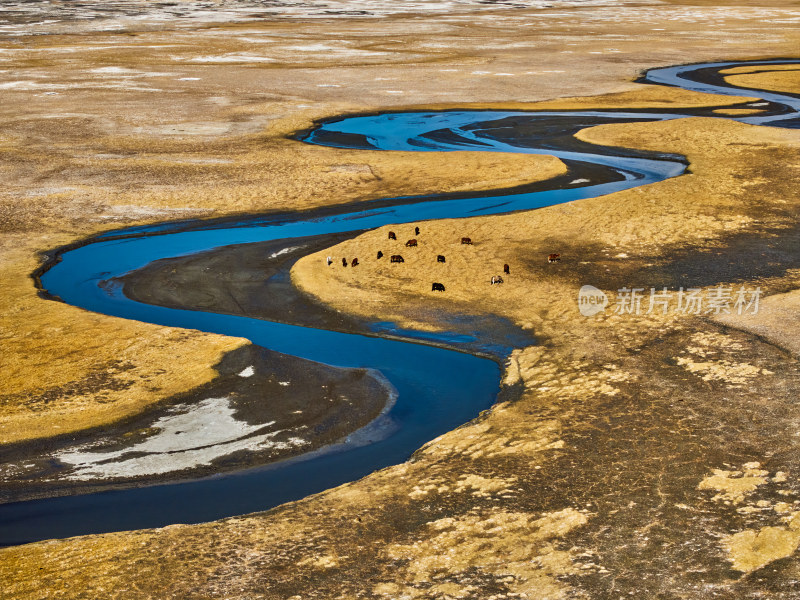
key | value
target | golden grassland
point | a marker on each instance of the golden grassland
(435, 527)
(65, 369)
(735, 186)
(121, 128)
(777, 78)
(730, 166)
(507, 484)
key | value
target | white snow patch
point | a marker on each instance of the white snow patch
(188, 439)
(126, 73)
(256, 40)
(29, 85)
(241, 57)
(132, 211)
(581, 180)
(114, 70)
(248, 372)
(284, 251)
(313, 48)
(284, 383)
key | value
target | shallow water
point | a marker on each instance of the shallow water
(437, 389)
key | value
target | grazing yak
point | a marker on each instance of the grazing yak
(330, 261)
(440, 258)
(496, 279)
(466, 240)
(344, 262)
(437, 287)
(506, 270)
(396, 258)
(392, 236)
(380, 255)
(553, 258)
(411, 243)
(416, 230)
(354, 263)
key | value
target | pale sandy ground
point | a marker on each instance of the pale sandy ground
(115, 128)
(139, 126)
(743, 180)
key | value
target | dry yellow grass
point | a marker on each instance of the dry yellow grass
(154, 129)
(379, 535)
(65, 369)
(644, 96)
(739, 182)
(233, 557)
(777, 81)
(777, 78)
(727, 161)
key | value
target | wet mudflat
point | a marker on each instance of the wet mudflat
(247, 279)
(263, 407)
(645, 459)
(252, 280)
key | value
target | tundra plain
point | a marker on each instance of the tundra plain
(640, 457)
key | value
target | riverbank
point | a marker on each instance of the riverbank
(101, 130)
(589, 483)
(588, 392)
(666, 398)
(263, 407)
(650, 376)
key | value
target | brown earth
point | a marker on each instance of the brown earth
(591, 483)
(780, 78)
(115, 128)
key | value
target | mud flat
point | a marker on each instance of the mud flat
(121, 122)
(645, 457)
(261, 408)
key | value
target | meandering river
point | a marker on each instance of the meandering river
(438, 388)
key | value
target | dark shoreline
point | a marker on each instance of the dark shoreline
(51, 257)
(134, 288)
(259, 400)
(576, 169)
(270, 296)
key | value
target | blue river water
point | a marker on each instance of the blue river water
(437, 389)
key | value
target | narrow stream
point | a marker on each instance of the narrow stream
(437, 388)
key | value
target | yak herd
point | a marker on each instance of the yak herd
(436, 287)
